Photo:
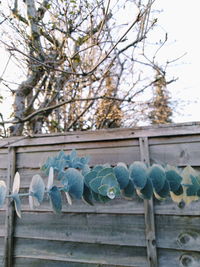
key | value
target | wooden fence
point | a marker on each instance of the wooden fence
(122, 233)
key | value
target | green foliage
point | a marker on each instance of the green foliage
(147, 191)
(157, 176)
(36, 191)
(164, 192)
(55, 199)
(129, 190)
(122, 174)
(174, 179)
(103, 183)
(73, 182)
(95, 184)
(87, 195)
(138, 173)
(63, 161)
(89, 177)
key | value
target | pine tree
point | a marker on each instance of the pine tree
(109, 113)
(161, 111)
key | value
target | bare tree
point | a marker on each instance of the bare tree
(77, 63)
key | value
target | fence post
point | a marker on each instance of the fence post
(9, 221)
(149, 211)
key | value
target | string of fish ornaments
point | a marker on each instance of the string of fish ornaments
(102, 183)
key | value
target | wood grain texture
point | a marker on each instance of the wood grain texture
(149, 211)
(2, 225)
(9, 220)
(180, 154)
(173, 232)
(80, 252)
(120, 206)
(179, 258)
(117, 206)
(122, 230)
(34, 262)
(111, 134)
(98, 156)
(80, 146)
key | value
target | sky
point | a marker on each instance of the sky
(180, 19)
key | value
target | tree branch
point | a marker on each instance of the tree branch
(50, 108)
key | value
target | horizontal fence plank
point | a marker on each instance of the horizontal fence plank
(98, 156)
(35, 262)
(2, 224)
(3, 161)
(111, 134)
(177, 155)
(81, 252)
(117, 206)
(168, 207)
(177, 139)
(78, 146)
(178, 232)
(90, 228)
(172, 232)
(1, 250)
(3, 151)
(111, 143)
(177, 258)
(3, 174)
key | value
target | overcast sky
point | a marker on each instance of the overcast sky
(180, 19)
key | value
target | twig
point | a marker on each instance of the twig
(4, 70)
(46, 109)
(114, 46)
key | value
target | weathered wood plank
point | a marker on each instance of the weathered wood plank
(177, 258)
(3, 161)
(3, 150)
(2, 228)
(120, 206)
(178, 232)
(9, 222)
(175, 154)
(117, 206)
(177, 139)
(80, 252)
(173, 232)
(112, 134)
(91, 228)
(1, 248)
(33, 262)
(168, 207)
(98, 156)
(110, 143)
(1, 251)
(79, 146)
(3, 174)
(6, 142)
(149, 211)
